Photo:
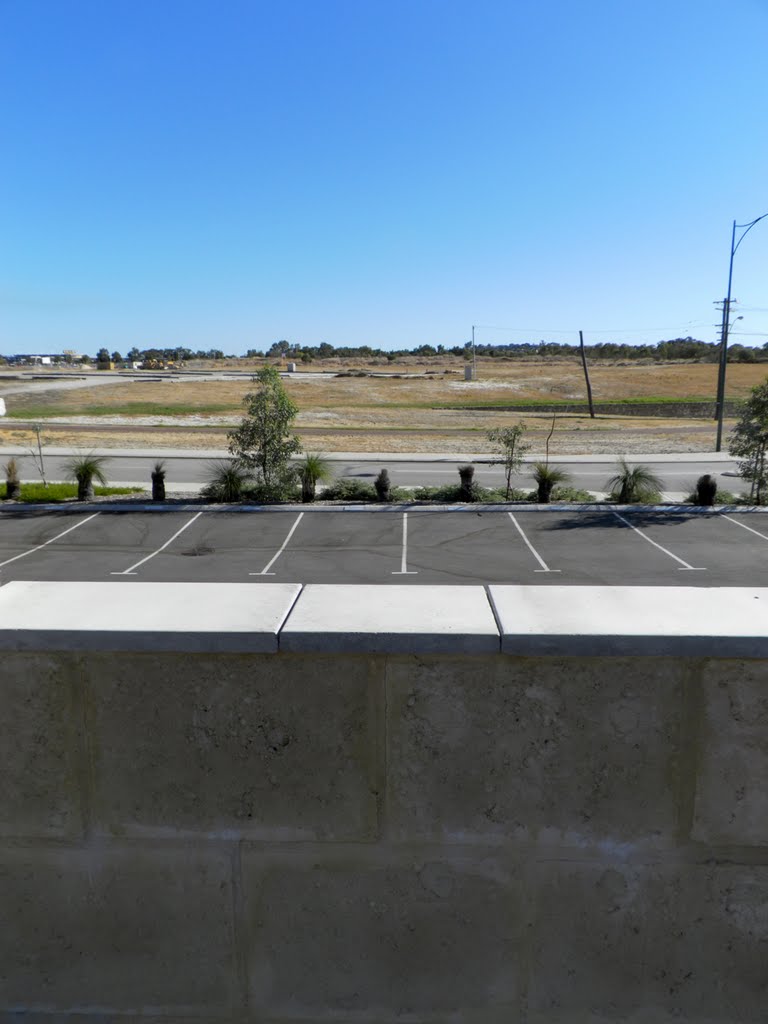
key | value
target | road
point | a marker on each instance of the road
(188, 470)
(628, 547)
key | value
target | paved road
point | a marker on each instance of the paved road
(630, 548)
(189, 470)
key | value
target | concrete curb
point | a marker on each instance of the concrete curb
(522, 506)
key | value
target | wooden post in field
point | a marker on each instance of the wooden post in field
(586, 375)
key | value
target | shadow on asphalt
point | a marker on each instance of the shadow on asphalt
(639, 518)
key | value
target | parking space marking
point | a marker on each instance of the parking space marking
(265, 571)
(131, 572)
(531, 548)
(403, 570)
(39, 546)
(684, 567)
(737, 523)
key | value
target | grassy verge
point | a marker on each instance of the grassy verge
(66, 492)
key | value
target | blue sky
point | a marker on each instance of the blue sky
(223, 173)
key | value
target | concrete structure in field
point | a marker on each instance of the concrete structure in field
(263, 803)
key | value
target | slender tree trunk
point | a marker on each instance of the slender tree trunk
(549, 436)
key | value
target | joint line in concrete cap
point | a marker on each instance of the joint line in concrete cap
(130, 570)
(403, 570)
(683, 565)
(531, 548)
(39, 546)
(265, 571)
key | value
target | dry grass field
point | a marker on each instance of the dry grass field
(435, 411)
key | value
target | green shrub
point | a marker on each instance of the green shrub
(349, 489)
(452, 494)
(571, 495)
(721, 498)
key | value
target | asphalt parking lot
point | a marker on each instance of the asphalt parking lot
(674, 547)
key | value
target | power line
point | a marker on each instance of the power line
(614, 330)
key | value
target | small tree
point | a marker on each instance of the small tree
(262, 442)
(513, 448)
(749, 441)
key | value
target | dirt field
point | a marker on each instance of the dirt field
(397, 414)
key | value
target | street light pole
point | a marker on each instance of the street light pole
(474, 359)
(720, 405)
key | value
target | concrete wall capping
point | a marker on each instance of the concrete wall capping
(399, 618)
(396, 619)
(137, 616)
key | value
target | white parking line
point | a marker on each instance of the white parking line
(531, 548)
(737, 523)
(265, 571)
(39, 546)
(683, 565)
(403, 570)
(131, 572)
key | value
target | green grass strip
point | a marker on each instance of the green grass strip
(65, 492)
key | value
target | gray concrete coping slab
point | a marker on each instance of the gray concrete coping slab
(718, 622)
(397, 619)
(138, 616)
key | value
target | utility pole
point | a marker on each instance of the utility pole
(720, 402)
(474, 357)
(586, 374)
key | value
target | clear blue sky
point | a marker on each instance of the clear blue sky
(226, 173)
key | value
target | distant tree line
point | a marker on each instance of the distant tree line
(662, 351)
(677, 348)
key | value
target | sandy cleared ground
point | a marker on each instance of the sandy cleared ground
(363, 413)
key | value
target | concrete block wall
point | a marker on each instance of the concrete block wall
(380, 837)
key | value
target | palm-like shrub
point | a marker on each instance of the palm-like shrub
(706, 490)
(226, 482)
(313, 469)
(84, 469)
(467, 491)
(383, 486)
(634, 484)
(547, 478)
(12, 482)
(158, 481)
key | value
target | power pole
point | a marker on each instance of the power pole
(586, 375)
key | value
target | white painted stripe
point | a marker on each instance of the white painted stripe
(403, 571)
(685, 565)
(39, 546)
(130, 572)
(265, 571)
(737, 523)
(531, 548)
